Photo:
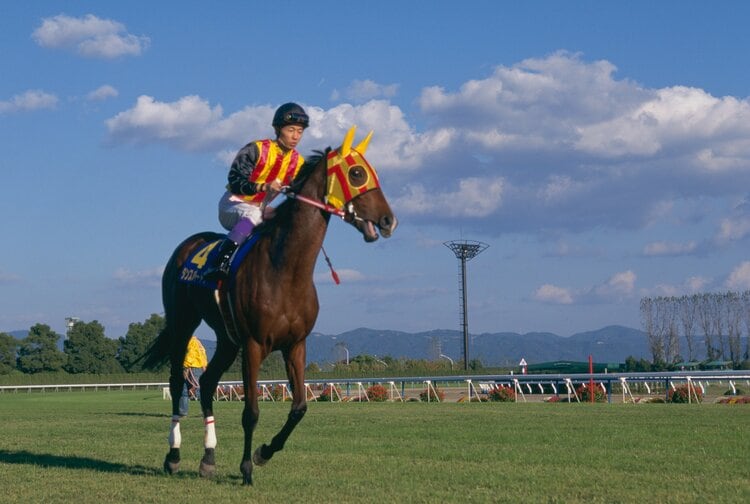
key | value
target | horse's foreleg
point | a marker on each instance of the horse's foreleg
(295, 365)
(250, 414)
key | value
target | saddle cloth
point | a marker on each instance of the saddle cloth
(208, 254)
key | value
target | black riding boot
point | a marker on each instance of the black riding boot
(221, 271)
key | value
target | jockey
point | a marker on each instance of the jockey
(258, 173)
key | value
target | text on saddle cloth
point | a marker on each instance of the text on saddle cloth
(199, 261)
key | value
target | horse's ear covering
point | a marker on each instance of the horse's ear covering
(362, 146)
(346, 147)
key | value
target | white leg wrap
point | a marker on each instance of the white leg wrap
(175, 438)
(209, 438)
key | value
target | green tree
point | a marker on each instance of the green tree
(38, 351)
(8, 348)
(138, 338)
(90, 351)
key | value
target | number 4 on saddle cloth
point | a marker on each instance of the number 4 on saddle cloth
(197, 263)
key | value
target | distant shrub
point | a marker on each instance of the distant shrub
(684, 394)
(502, 393)
(584, 392)
(735, 400)
(277, 393)
(428, 394)
(735, 392)
(329, 394)
(377, 393)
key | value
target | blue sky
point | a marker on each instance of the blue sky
(601, 149)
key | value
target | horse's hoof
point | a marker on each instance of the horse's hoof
(172, 461)
(258, 458)
(246, 468)
(207, 470)
(171, 467)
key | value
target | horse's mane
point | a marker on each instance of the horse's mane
(283, 210)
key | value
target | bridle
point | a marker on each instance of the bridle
(348, 175)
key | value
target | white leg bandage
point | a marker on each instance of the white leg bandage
(175, 438)
(209, 438)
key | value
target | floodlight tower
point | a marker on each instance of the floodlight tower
(465, 250)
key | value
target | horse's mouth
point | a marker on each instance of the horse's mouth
(369, 229)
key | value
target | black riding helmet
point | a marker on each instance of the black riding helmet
(290, 113)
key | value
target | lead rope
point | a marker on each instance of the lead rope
(333, 271)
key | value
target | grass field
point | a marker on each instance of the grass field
(108, 447)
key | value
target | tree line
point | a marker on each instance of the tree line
(691, 327)
(85, 349)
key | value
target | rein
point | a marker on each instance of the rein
(318, 204)
(324, 206)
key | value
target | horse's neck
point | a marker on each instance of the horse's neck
(305, 231)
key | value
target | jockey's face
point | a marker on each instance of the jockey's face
(290, 135)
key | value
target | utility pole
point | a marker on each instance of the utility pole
(465, 250)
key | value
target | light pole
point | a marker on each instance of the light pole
(446, 357)
(465, 250)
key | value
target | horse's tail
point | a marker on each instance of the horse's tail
(156, 355)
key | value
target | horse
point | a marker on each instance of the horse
(271, 302)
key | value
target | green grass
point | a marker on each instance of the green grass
(108, 447)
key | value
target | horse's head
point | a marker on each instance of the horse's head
(353, 187)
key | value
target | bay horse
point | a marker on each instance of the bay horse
(271, 302)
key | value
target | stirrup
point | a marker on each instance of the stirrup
(220, 272)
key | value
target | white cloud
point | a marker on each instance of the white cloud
(28, 101)
(739, 278)
(692, 285)
(664, 248)
(549, 293)
(363, 90)
(191, 123)
(89, 36)
(102, 93)
(345, 275)
(150, 277)
(733, 228)
(8, 278)
(553, 144)
(618, 285)
(474, 198)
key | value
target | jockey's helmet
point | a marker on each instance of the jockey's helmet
(290, 113)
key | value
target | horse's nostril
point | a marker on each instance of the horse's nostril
(386, 222)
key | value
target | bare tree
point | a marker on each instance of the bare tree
(733, 313)
(746, 318)
(649, 320)
(688, 309)
(718, 319)
(705, 318)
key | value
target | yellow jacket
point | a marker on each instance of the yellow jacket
(196, 354)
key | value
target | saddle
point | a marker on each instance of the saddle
(192, 271)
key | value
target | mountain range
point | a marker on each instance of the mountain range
(608, 344)
(611, 344)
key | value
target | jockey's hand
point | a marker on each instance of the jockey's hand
(274, 186)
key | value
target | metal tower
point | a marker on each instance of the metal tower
(465, 250)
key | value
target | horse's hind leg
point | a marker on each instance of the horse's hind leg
(295, 366)
(179, 338)
(222, 359)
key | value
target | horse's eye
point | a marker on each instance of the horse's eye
(357, 176)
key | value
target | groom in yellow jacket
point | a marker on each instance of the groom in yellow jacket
(192, 368)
